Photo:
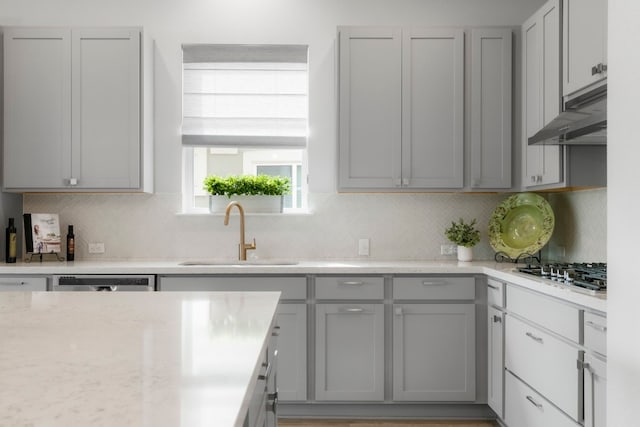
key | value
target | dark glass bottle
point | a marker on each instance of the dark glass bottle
(71, 244)
(11, 242)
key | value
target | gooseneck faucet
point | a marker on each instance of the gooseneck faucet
(242, 247)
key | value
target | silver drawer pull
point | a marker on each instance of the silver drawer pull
(493, 287)
(536, 404)
(352, 283)
(497, 319)
(13, 283)
(595, 326)
(352, 310)
(535, 338)
(436, 283)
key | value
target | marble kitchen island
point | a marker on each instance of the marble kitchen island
(132, 359)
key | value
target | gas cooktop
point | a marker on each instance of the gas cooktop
(590, 278)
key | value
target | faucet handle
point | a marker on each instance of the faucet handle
(252, 245)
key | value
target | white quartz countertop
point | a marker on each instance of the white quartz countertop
(131, 358)
(502, 271)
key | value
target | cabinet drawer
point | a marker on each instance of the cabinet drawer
(554, 315)
(595, 332)
(526, 408)
(290, 287)
(434, 288)
(13, 283)
(349, 287)
(495, 292)
(546, 363)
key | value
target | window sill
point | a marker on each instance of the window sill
(204, 212)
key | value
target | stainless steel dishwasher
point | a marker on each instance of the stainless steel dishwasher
(104, 283)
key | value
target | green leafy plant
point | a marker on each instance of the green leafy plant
(239, 185)
(462, 234)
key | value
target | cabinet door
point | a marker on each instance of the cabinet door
(491, 67)
(106, 108)
(432, 108)
(37, 108)
(542, 164)
(350, 352)
(370, 107)
(595, 392)
(495, 357)
(585, 43)
(292, 352)
(434, 352)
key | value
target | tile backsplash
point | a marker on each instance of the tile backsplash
(399, 226)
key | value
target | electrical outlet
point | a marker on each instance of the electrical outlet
(363, 247)
(448, 249)
(96, 248)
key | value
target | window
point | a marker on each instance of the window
(245, 111)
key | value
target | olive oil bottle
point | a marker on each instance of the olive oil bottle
(11, 244)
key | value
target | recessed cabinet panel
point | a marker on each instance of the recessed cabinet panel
(106, 109)
(370, 107)
(350, 352)
(433, 105)
(434, 352)
(37, 107)
(491, 66)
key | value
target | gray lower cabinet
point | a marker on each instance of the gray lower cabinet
(23, 283)
(349, 352)
(495, 356)
(292, 352)
(434, 352)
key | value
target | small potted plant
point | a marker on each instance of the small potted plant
(466, 236)
(257, 194)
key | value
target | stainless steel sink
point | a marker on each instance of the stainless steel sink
(238, 263)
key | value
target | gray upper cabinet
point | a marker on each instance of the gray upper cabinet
(401, 102)
(551, 166)
(585, 43)
(491, 70)
(72, 109)
(370, 107)
(432, 108)
(541, 164)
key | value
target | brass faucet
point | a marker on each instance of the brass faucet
(242, 247)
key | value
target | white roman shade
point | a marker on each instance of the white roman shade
(244, 95)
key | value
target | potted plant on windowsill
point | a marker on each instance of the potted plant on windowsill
(257, 194)
(466, 236)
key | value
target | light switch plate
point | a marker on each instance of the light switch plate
(363, 247)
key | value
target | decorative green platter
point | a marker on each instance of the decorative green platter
(521, 224)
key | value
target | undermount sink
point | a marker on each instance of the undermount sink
(238, 263)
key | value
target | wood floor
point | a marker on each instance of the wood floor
(365, 423)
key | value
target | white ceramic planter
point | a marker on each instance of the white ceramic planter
(250, 204)
(464, 253)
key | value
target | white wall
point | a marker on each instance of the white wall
(623, 152)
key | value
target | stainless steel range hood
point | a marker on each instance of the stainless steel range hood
(583, 122)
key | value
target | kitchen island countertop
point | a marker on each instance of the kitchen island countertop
(131, 358)
(502, 271)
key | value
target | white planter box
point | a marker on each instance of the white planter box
(251, 204)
